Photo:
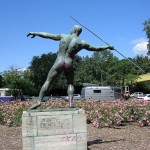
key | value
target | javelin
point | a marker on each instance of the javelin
(105, 42)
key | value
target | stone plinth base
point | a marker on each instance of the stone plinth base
(54, 129)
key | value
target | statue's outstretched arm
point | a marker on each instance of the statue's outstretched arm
(90, 47)
(44, 35)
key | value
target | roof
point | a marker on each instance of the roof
(143, 78)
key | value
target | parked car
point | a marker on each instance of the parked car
(26, 97)
(136, 94)
(76, 96)
(64, 97)
(145, 97)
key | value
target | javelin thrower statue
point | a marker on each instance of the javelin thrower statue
(70, 45)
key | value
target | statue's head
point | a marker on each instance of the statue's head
(76, 29)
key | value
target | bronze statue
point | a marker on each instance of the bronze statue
(70, 45)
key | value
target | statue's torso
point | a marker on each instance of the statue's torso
(69, 46)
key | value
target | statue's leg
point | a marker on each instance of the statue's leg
(51, 75)
(70, 92)
(70, 77)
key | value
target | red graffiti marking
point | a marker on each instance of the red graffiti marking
(71, 138)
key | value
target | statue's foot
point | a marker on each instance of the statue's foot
(35, 106)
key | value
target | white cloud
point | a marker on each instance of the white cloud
(140, 46)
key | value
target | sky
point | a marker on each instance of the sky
(118, 22)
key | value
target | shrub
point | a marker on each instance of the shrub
(100, 114)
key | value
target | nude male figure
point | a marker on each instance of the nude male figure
(70, 45)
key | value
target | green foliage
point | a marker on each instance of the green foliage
(102, 68)
(143, 62)
(97, 69)
(105, 69)
(17, 116)
(12, 78)
(0, 81)
(40, 66)
(15, 78)
(124, 72)
(145, 86)
(147, 27)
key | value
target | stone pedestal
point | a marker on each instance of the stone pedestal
(54, 129)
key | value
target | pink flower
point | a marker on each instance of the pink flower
(95, 122)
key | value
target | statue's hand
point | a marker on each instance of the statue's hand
(111, 47)
(32, 34)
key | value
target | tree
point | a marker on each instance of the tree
(127, 72)
(84, 71)
(147, 29)
(40, 65)
(109, 62)
(96, 69)
(0, 81)
(15, 78)
(143, 62)
(27, 85)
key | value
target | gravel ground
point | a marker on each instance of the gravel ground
(130, 137)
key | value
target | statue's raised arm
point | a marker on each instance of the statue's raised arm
(45, 35)
(90, 47)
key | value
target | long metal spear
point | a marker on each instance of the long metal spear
(105, 42)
